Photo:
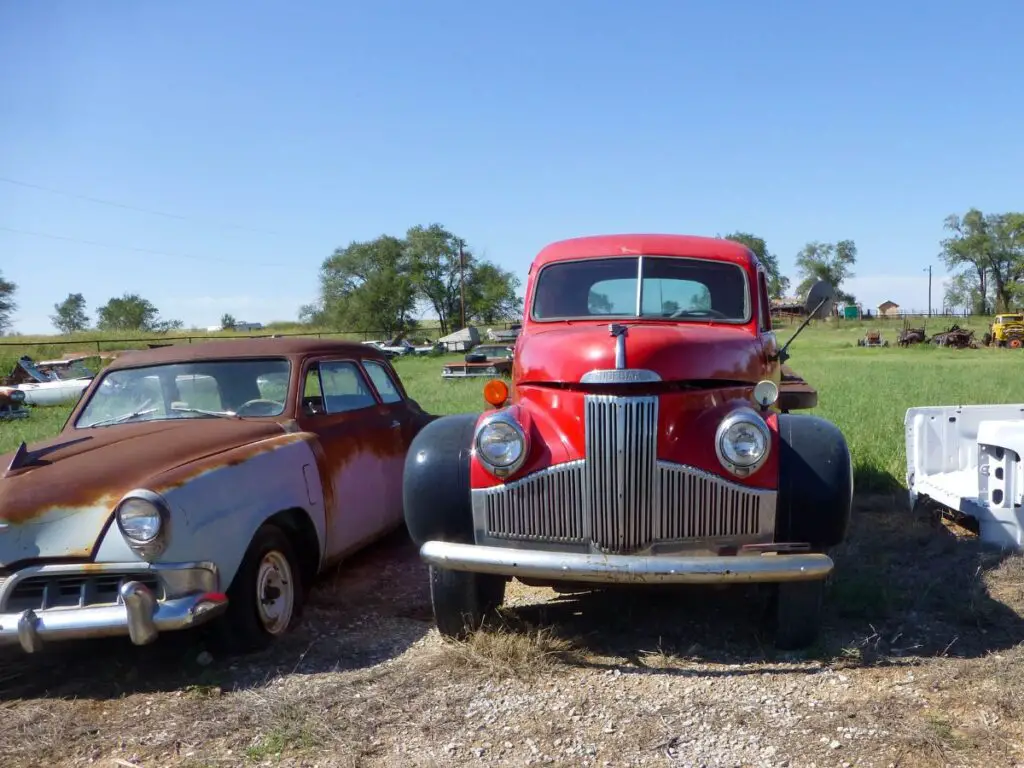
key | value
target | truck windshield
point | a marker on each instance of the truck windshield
(673, 287)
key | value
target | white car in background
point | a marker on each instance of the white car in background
(397, 347)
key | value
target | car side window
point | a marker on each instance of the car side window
(344, 388)
(382, 381)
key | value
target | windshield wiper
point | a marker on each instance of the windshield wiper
(122, 417)
(220, 414)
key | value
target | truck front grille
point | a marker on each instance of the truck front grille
(621, 498)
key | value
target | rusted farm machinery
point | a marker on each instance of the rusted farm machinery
(872, 339)
(909, 336)
(957, 337)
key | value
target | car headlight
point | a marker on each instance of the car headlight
(742, 441)
(142, 517)
(491, 369)
(501, 444)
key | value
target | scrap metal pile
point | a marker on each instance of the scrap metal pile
(957, 337)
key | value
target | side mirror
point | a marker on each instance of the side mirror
(821, 298)
(818, 304)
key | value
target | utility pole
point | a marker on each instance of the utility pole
(462, 282)
(929, 290)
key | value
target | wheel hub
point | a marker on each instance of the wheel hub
(275, 592)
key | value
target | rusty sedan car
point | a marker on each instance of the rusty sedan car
(483, 360)
(205, 484)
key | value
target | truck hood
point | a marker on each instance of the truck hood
(58, 500)
(676, 351)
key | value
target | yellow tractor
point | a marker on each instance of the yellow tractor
(1007, 331)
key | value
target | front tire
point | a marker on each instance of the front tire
(463, 600)
(265, 597)
(798, 608)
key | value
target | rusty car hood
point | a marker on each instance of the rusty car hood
(70, 483)
(676, 351)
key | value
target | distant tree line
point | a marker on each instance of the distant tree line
(384, 283)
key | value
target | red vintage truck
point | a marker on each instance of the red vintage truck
(647, 438)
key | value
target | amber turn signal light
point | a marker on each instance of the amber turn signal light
(496, 392)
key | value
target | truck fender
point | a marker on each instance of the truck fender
(435, 481)
(815, 481)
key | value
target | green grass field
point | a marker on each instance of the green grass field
(865, 391)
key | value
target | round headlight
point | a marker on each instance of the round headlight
(500, 444)
(139, 519)
(17, 395)
(743, 440)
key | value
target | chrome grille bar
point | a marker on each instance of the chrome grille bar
(699, 505)
(621, 450)
(546, 506)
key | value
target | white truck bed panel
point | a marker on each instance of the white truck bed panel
(968, 458)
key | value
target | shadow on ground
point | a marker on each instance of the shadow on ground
(341, 629)
(904, 587)
(869, 479)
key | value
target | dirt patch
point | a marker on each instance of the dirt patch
(920, 664)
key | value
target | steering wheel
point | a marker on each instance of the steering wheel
(269, 407)
(699, 312)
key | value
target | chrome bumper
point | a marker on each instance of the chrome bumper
(623, 569)
(138, 614)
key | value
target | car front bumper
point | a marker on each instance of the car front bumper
(191, 599)
(626, 569)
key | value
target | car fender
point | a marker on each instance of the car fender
(435, 481)
(217, 504)
(815, 481)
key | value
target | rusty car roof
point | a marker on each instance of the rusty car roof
(596, 246)
(244, 348)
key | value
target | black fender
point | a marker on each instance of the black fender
(435, 481)
(815, 481)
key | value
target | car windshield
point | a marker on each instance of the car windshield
(679, 288)
(195, 389)
(494, 351)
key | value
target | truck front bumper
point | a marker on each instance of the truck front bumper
(626, 569)
(138, 613)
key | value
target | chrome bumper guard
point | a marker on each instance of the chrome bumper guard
(623, 569)
(140, 615)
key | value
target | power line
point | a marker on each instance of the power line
(127, 207)
(149, 251)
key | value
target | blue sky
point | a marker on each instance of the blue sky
(279, 131)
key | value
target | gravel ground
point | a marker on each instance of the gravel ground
(920, 665)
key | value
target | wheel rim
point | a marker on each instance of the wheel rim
(1015, 344)
(275, 592)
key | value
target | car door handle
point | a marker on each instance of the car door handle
(396, 424)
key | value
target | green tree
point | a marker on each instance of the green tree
(228, 322)
(778, 285)
(131, 312)
(441, 277)
(491, 294)
(964, 292)
(437, 271)
(990, 248)
(69, 315)
(827, 261)
(366, 286)
(7, 303)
